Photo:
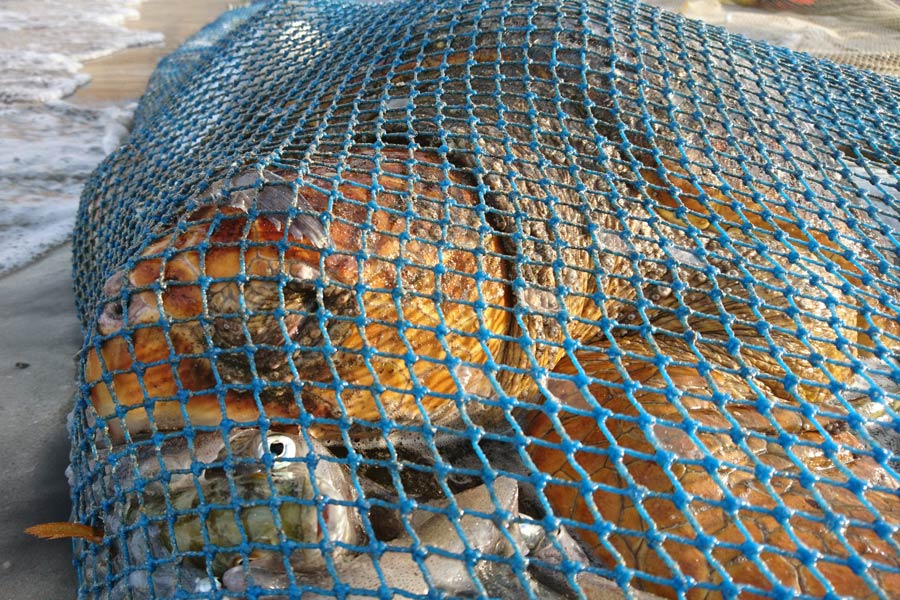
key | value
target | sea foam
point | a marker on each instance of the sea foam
(50, 146)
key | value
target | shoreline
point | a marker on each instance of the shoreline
(122, 77)
(40, 337)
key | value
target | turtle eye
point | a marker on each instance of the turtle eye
(279, 446)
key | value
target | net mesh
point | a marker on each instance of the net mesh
(514, 298)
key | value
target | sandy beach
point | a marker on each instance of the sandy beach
(123, 76)
(40, 337)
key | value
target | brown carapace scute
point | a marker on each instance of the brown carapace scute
(402, 302)
(261, 293)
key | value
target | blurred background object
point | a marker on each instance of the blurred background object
(861, 33)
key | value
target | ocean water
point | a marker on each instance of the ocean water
(48, 146)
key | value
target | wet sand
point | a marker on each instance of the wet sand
(39, 336)
(123, 76)
(39, 339)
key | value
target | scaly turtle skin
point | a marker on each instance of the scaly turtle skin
(262, 489)
(542, 231)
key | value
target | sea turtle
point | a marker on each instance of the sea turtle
(525, 222)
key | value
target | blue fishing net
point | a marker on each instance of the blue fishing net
(499, 298)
